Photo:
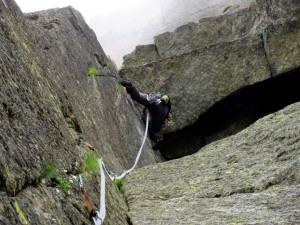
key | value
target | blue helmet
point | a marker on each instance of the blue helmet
(154, 98)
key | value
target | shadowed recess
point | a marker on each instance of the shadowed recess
(234, 113)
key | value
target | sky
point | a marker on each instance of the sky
(115, 22)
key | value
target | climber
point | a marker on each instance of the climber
(159, 107)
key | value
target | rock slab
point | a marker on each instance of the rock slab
(249, 178)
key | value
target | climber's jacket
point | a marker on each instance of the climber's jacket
(158, 105)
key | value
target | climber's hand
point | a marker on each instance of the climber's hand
(170, 118)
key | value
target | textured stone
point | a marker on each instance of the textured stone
(249, 178)
(176, 12)
(142, 54)
(49, 108)
(203, 62)
(198, 79)
(252, 18)
(249, 20)
(283, 46)
(156, 17)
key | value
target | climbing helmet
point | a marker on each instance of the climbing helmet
(154, 97)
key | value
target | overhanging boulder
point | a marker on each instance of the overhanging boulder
(202, 63)
(198, 79)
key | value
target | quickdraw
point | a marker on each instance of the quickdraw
(88, 203)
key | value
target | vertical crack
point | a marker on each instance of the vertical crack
(266, 50)
(129, 220)
(156, 49)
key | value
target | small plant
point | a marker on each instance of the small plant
(119, 184)
(61, 182)
(92, 71)
(91, 162)
(49, 171)
(119, 87)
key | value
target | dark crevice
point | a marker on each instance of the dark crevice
(129, 220)
(2, 183)
(69, 115)
(234, 113)
(71, 119)
(8, 110)
(264, 42)
(50, 24)
(98, 59)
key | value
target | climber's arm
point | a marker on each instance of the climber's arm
(137, 96)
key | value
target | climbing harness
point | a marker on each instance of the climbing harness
(100, 214)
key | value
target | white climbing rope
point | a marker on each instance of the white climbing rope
(137, 157)
(102, 211)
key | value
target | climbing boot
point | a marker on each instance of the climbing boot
(157, 145)
(125, 83)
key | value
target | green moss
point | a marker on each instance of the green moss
(8, 174)
(10, 181)
(58, 220)
(120, 185)
(20, 213)
(91, 162)
(14, 35)
(25, 46)
(33, 69)
(61, 182)
(93, 71)
(57, 181)
(119, 87)
(49, 171)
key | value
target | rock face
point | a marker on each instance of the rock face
(250, 20)
(49, 108)
(119, 37)
(175, 13)
(201, 63)
(249, 178)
